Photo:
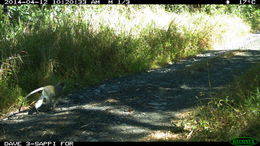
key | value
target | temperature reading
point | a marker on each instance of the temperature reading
(247, 2)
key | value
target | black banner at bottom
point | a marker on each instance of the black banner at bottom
(71, 143)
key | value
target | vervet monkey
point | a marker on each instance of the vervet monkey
(50, 93)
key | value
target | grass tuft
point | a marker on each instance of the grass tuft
(233, 114)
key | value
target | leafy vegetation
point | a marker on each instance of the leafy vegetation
(84, 45)
(249, 13)
(232, 113)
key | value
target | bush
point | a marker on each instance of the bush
(233, 114)
(88, 44)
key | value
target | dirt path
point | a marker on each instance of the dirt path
(132, 107)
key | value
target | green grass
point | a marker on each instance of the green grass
(233, 113)
(84, 45)
(9, 97)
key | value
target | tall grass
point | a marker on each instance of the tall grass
(88, 44)
(233, 114)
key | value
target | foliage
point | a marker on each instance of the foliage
(8, 96)
(235, 115)
(249, 13)
(88, 44)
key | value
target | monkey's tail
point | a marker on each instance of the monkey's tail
(34, 91)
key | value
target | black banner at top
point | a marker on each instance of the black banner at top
(82, 2)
